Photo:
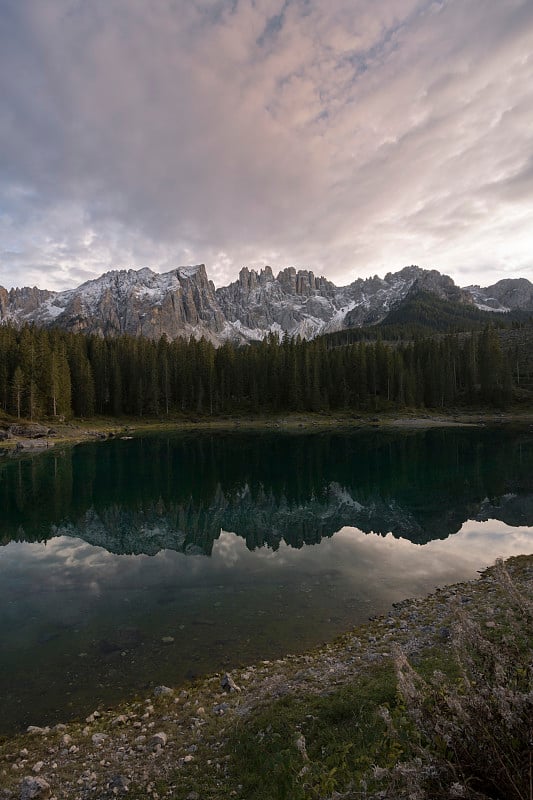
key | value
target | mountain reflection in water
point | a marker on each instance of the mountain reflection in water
(178, 492)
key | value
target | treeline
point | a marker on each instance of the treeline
(51, 373)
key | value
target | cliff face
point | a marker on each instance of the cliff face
(179, 303)
(293, 302)
(4, 301)
(21, 302)
(136, 302)
(184, 302)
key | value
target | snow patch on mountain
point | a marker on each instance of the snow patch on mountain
(484, 301)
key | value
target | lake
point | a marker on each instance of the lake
(127, 564)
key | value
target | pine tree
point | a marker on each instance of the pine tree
(18, 386)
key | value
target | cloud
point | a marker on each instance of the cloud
(351, 138)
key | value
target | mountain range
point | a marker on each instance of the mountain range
(184, 302)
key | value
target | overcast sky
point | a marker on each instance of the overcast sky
(350, 137)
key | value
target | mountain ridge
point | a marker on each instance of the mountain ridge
(184, 302)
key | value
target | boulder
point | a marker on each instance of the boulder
(31, 431)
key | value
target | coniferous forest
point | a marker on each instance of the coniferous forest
(51, 373)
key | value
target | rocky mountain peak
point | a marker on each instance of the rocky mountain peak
(19, 302)
(302, 282)
(249, 279)
(512, 292)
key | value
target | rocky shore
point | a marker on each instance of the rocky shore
(174, 743)
(24, 437)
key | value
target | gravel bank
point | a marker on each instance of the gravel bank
(162, 745)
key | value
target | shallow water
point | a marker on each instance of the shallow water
(128, 564)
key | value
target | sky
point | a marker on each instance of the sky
(350, 137)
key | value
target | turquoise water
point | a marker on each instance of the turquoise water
(126, 564)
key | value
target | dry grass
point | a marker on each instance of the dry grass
(471, 735)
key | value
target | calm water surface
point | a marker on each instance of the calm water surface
(237, 546)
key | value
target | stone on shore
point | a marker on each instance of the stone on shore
(33, 788)
(228, 684)
(159, 739)
(33, 431)
(38, 730)
(162, 690)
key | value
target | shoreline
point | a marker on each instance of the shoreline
(176, 741)
(101, 428)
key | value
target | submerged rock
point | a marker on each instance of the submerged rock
(34, 444)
